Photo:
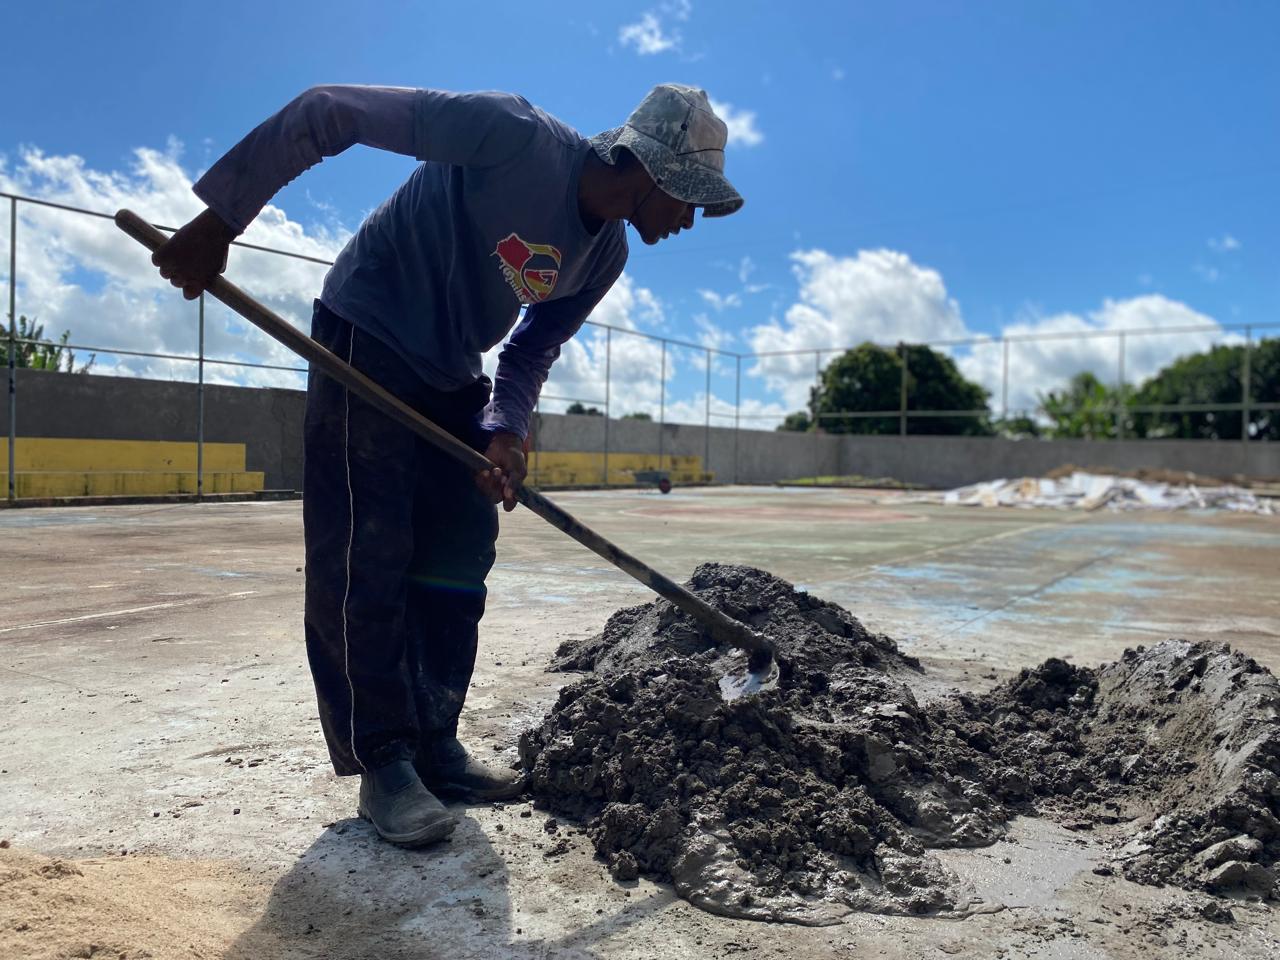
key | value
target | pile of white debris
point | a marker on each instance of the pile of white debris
(1093, 491)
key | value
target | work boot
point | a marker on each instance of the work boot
(447, 768)
(401, 809)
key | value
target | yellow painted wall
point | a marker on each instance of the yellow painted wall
(56, 453)
(57, 467)
(120, 483)
(555, 468)
(62, 467)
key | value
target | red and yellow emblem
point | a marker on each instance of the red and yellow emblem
(529, 268)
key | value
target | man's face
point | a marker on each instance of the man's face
(662, 215)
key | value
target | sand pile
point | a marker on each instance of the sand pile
(825, 794)
(121, 908)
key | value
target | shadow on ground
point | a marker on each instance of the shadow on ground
(350, 896)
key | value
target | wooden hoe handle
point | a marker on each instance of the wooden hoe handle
(722, 628)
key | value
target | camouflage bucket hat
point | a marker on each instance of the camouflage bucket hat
(680, 141)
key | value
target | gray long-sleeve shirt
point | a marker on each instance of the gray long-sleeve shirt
(487, 224)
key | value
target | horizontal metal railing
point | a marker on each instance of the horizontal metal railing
(903, 413)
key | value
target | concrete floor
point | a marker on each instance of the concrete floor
(156, 700)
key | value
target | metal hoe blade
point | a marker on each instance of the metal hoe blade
(738, 683)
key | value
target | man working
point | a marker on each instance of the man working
(511, 208)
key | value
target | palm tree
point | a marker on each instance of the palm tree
(34, 352)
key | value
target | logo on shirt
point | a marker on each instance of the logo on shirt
(529, 268)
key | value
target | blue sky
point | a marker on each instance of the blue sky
(916, 169)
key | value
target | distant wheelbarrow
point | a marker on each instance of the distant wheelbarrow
(662, 478)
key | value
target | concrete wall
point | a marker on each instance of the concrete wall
(269, 423)
(766, 456)
(955, 461)
(760, 456)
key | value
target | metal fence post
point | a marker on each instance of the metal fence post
(1004, 384)
(1120, 404)
(662, 405)
(737, 411)
(1246, 387)
(13, 344)
(706, 427)
(817, 390)
(608, 356)
(902, 393)
(200, 409)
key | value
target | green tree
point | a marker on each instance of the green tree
(580, 410)
(42, 354)
(1214, 377)
(639, 415)
(798, 422)
(868, 378)
(1086, 408)
(1017, 427)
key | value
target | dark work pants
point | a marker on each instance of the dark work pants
(398, 541)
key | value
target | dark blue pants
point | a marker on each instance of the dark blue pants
(399, 541)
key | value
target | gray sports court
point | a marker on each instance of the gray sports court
(159, 715)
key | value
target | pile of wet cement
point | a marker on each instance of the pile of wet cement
(825, 794)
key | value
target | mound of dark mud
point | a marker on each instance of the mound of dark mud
(1179, 743)
(825, 794)
(812, 633)
(1188, 738)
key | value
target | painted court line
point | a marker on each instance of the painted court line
(127, 610)
(879, 565)
(1035, 591)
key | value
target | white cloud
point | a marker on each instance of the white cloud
(882, 296)
(80, 273)
(711, 334)
(633, 362)
(761, 415)
(630, 306)
(1037, 366)
(878, 295)
(648, 36)
(1207, 273)
(754, 415)
(743, 270)
(743, 131)
(679, 9)
(635, 365)
(720, 302)
(1226, 244)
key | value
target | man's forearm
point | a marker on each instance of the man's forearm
(523, 366)
(515, 393)
(526, 358)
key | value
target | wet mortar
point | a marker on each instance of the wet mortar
(826, 794)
